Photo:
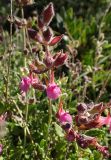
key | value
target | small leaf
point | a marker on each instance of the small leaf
(43, 143)
(59, 130)
(95, 132)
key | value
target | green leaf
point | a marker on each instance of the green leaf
(43, 143)
(58, 130)
(95, 132)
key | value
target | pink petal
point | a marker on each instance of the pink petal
(53, 91)
(56, 40)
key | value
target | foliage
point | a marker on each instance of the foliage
(36, 132)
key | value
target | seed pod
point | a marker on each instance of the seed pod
(82, 108)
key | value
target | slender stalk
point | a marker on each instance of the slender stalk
(49, 122)
(9, 51)
(26, 110)
(21, 115)
(24, 33)
(26, 120)
(50, 113)
(24, 36)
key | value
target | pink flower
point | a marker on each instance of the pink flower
(63, 116)
(53, 91)
(105, 121)
(25, 84)
(71, 135)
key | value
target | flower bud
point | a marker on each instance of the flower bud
(86, 141)
(60, 59)
(63, 116)
(83, 120)
(66, 126)
(39, 86)
(53, 91)
(48, 60)
(45, 18)
(25, 84)
(35, 35)
(82, 108)
(71, 136)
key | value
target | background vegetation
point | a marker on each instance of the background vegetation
(86, 77)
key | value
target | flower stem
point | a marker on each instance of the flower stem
(50, 113)
(9, 51)
(26, 120)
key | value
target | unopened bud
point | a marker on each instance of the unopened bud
(60, 59)
(49, 61)
(38, 86)
(66, 126)
(71, 136)
(82, 108)
(83, 120)
(86, 141)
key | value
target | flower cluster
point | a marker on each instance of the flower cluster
(88, 115)
(46, 38)
(66, 122)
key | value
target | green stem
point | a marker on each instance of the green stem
(49, 125)
(50, 113)
(9, 51)
(26, 120)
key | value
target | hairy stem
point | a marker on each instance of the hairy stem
(10, 52)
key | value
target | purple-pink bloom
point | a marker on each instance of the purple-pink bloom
(71, 135)
(53, 91)
(63, 116)
(25, 84)
(105, 121)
